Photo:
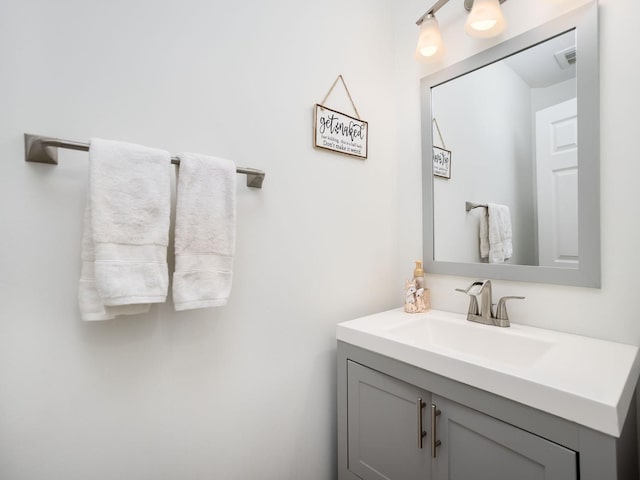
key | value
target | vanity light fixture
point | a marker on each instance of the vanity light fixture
(485, 20)
(429, 39)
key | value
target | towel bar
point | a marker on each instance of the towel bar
(468, 206)
(40, 149)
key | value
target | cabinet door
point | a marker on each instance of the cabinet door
(475, 446)
(384, 420)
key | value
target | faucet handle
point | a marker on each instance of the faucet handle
(501, 309)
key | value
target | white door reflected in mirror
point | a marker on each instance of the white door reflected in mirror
(557, 185)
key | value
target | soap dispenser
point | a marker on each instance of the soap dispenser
(418, 275)
(418, 298)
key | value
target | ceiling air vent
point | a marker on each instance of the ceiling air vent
(566, 57)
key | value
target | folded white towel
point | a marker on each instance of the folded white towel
(125, 249)
(496, 234)
(205, 231)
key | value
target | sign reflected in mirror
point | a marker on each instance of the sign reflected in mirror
(441, 162)
(522, 118)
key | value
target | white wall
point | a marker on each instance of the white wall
(241, 392)
(552, 95)
(485, 120)
(246, 391)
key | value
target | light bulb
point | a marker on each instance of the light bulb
(485, 19)
(429, 38)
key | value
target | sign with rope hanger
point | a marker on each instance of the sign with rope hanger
(441, 156)
(337, 131)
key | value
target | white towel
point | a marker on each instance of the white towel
(126, 230)
(495, 233)
(89, 300)
(205, 231)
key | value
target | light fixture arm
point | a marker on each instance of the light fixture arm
(468, 4)
(441, 3)
(438, 5)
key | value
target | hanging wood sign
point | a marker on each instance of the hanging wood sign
(441, 162)
(339, 132)
(441, 156)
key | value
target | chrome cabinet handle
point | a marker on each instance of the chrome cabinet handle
(421, 432)
(434, 442)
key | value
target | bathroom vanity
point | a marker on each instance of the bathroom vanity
(433, 396)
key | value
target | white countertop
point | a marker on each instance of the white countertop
(581, 379)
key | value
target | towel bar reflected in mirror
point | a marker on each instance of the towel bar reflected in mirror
(468, 206)
(41, 149)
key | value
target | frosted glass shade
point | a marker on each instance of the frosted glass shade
(429, 38)
(485, 19)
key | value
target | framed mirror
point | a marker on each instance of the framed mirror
(510, 140)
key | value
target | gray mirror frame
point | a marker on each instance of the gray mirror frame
(585, 21)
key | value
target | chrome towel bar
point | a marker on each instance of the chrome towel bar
(468, 206)
(40, 149)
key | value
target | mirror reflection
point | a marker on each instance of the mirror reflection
(509, 130)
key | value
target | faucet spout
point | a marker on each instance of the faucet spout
(485, 299)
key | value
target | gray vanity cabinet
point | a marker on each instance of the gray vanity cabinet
(481, 436)
(390, 437)
(474, 446)
(386, 416)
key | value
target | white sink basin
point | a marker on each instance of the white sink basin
(581, 379)
(495, 345)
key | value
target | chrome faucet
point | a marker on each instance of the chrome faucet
(484, 313)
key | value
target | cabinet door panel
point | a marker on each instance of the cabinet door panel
(383, 427)
(475, 446)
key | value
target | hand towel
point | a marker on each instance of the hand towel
(129, 196)
(89, 300)
(496, 234)
(484, 233)
(205, 231)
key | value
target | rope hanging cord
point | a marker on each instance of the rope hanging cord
(324, 100)
(434, 121)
